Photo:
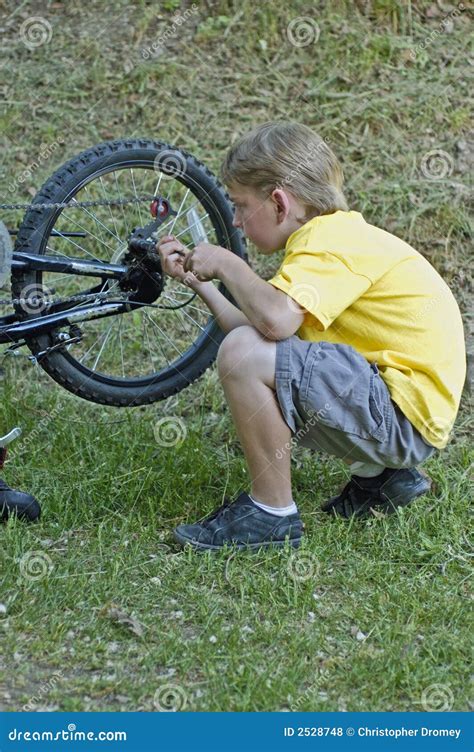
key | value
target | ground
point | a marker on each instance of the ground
(100, 610)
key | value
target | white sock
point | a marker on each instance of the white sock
(278, 511)
(365, 469)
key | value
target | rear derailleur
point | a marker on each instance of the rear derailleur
(145, 278)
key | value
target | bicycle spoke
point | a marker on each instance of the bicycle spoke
(102, 348)
(109, 208)
(189, 305)
(163, 333)
(101, 224)
(97, 340)
(157, 188)
(71, 219)
(199, 219)
(143, 342)
(179, 211)
(182, 311)
(136, 196)
(174, 219)
(121, 205)
(164, 354)
(121, 347)
(77, 246)
(150, 350)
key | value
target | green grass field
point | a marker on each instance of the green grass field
(100, 609)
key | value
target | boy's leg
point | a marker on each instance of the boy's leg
(246, 366)
(343, 401)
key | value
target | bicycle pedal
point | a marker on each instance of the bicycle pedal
(10, 436)
(5, 440)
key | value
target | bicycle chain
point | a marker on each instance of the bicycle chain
(74, 203)
(58, 301)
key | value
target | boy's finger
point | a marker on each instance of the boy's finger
(168, 248)
(166, 244)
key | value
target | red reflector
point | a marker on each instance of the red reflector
(159, 207)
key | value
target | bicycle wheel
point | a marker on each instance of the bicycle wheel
(148, 353)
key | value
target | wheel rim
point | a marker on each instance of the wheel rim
(148, 344)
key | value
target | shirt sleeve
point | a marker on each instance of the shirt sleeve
(320, 282)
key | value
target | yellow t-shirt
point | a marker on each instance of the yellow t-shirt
(364, 287)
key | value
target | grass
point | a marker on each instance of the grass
(103, 611)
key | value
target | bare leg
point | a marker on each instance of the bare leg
(246, 365)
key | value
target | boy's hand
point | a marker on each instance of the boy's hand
(205, 260)
(173, 254)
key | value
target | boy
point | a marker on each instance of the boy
(355, 345)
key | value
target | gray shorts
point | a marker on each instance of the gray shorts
(335, 401)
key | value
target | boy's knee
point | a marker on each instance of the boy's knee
(236, 348)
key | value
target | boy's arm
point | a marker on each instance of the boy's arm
(266, 308)
(172, 252)
(226, 314)
(272, 312)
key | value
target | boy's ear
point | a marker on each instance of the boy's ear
(282, 202)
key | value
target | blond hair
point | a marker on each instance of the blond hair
(288, 155)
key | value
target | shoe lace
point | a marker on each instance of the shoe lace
(219, 511)
(353, 495)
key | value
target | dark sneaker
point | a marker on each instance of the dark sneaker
(17, 503)
(391, 489)
(242, 524)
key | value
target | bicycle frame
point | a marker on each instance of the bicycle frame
(14, 329)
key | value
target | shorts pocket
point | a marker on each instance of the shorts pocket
(342, 390)
(377, 405)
